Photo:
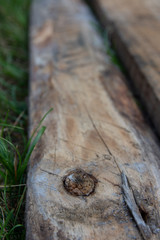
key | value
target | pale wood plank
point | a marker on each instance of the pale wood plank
(134, 28)
(95, 126)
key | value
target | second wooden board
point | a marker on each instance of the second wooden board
(134, 28)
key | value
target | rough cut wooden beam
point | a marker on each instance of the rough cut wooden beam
(95, 172)
(134, 28)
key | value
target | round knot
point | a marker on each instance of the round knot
(79, 183)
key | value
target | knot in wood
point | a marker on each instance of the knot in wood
(79, 183)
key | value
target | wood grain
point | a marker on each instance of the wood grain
(134, 29)
(95, 128)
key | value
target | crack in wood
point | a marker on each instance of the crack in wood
(100, 121)
(114, 184)
(103, 141)
(94, 126)
(50, 173)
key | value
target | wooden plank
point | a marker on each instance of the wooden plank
(97, 163)
(134, 28)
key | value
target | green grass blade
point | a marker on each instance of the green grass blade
(35, 141)
(11, 144)
(30, 139)
(6, 117)
(19, 205)
(5, 191)
(9, 217)
(50, 110)
(16, 226)
(2, 175)
(10, 126)
(6, 165)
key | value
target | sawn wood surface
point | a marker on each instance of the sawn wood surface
(95, 126)
(134, 28)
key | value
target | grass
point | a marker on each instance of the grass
(13, 57)
(13, 175)
(13, 92)
(15, 148)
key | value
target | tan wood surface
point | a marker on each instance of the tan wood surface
(134, 27)
(95, 127)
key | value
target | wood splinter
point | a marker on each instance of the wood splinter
(131, 203)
